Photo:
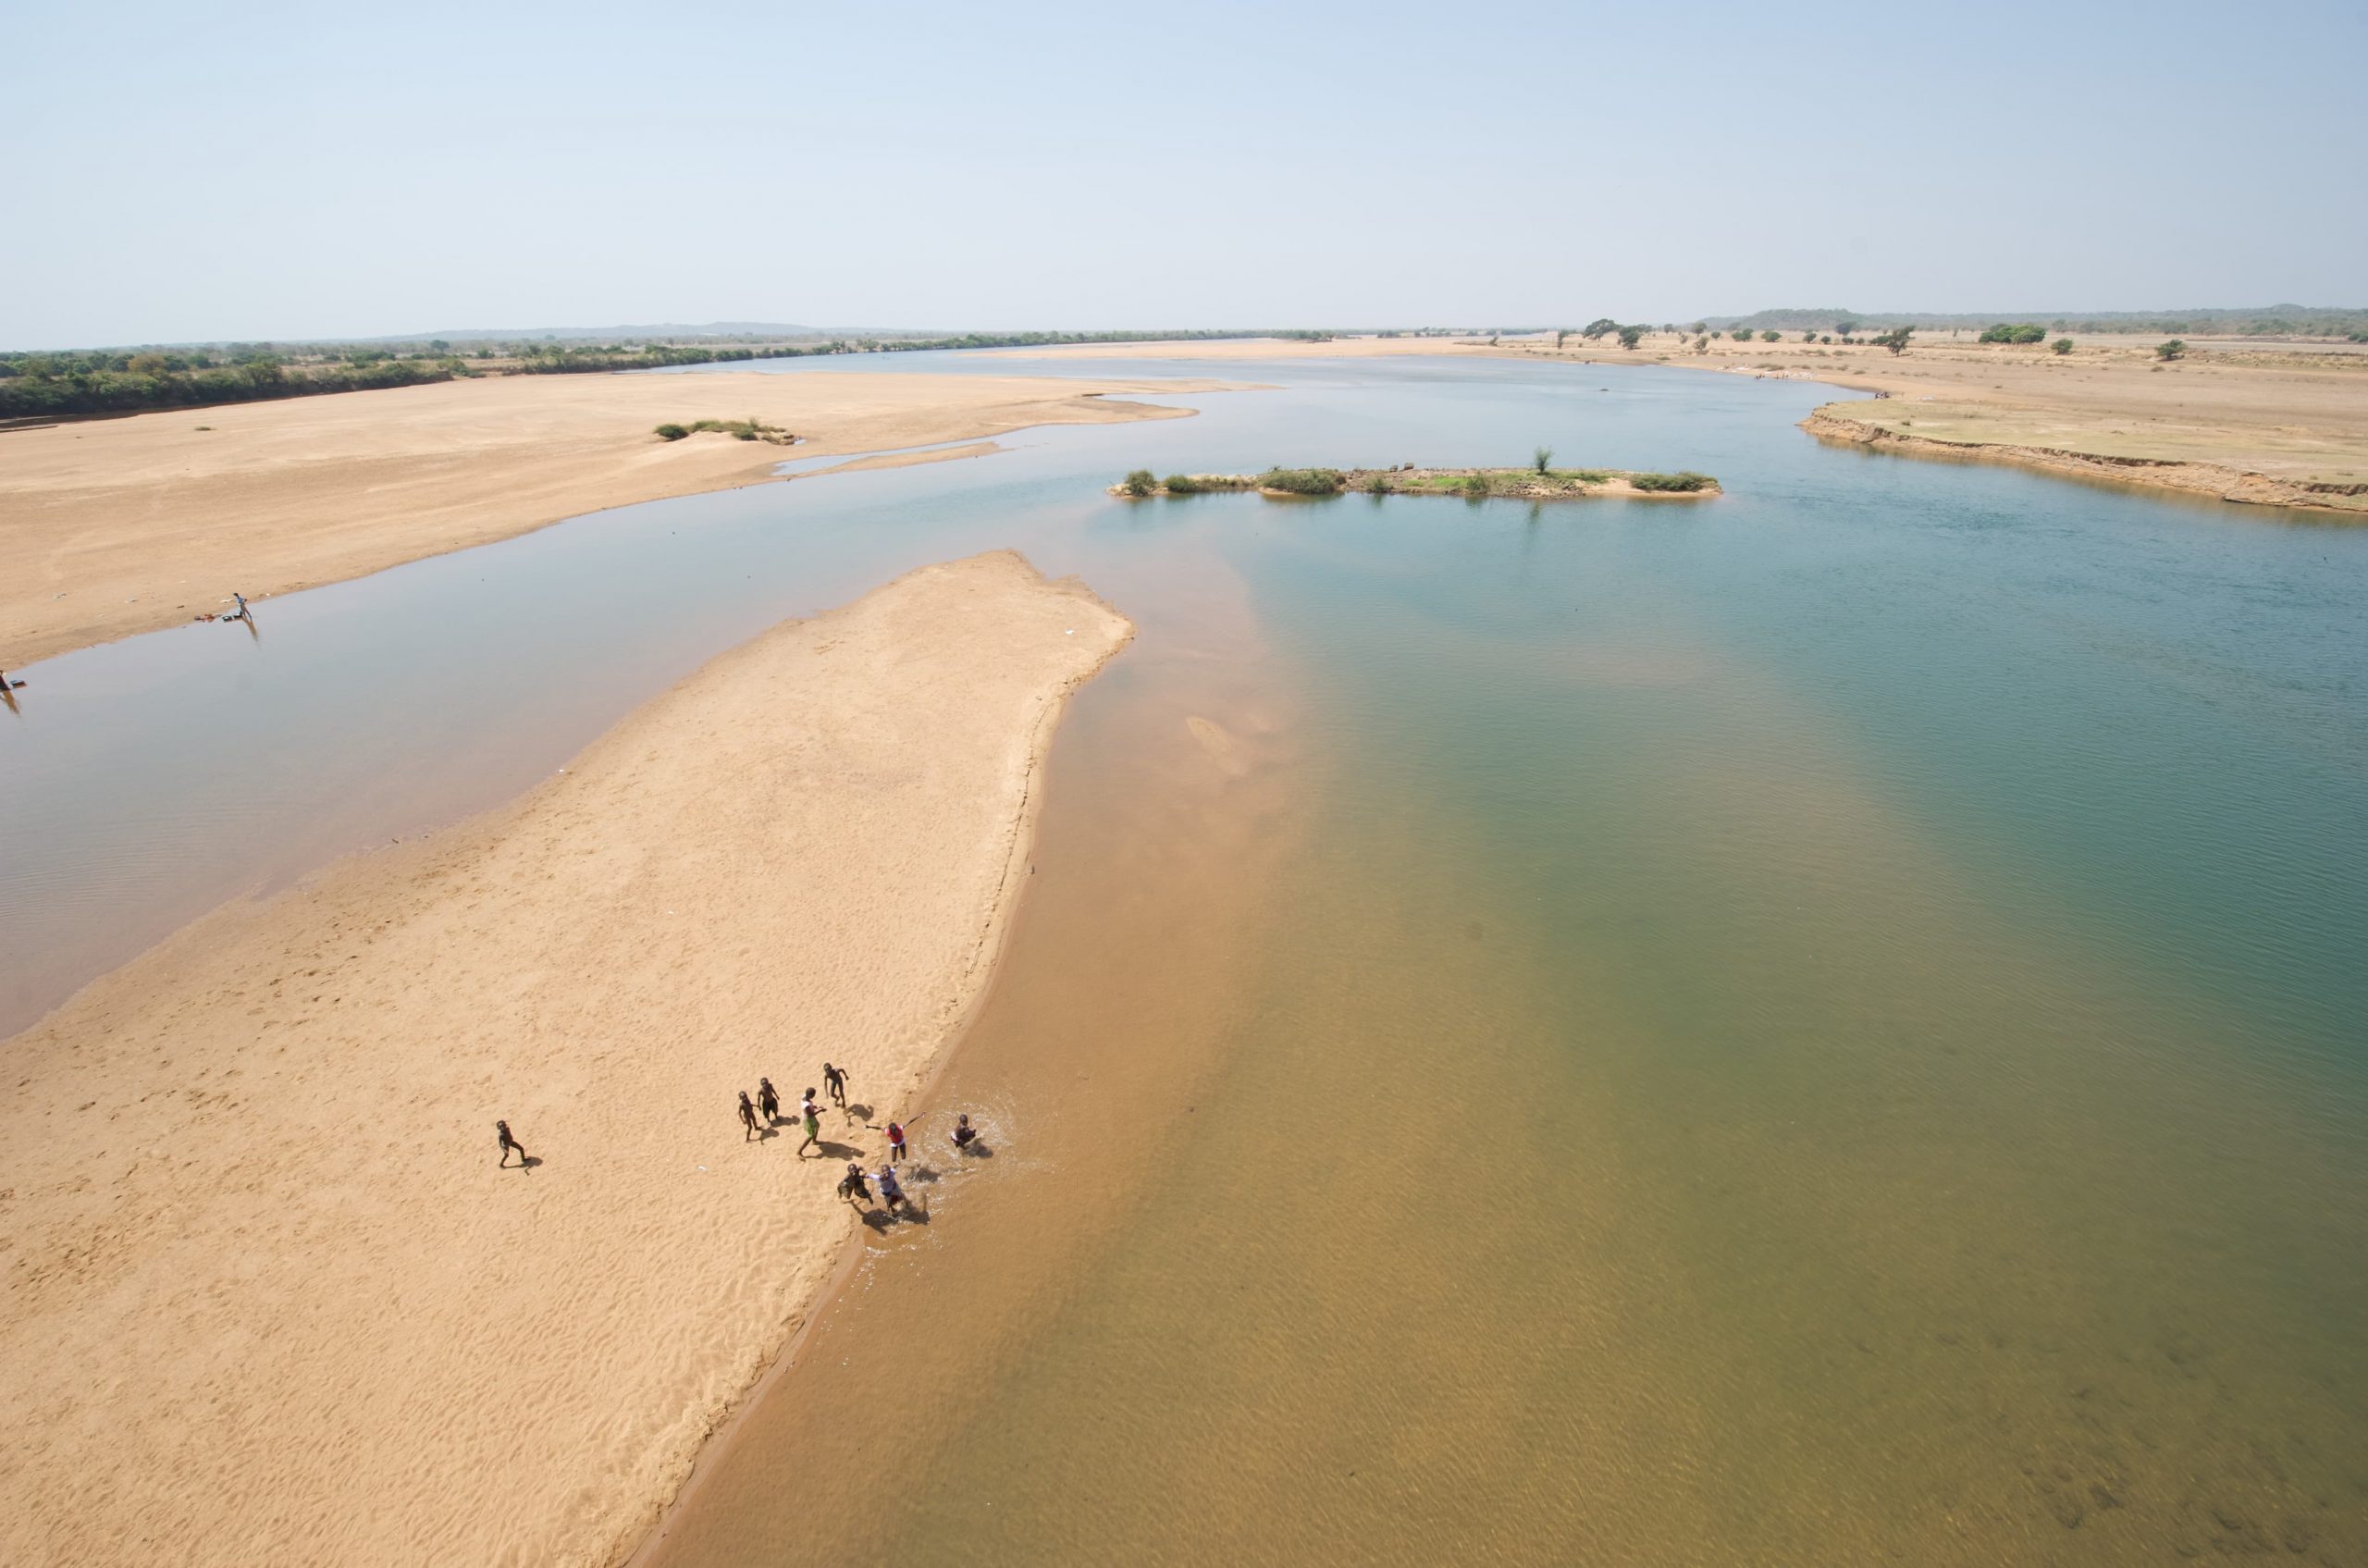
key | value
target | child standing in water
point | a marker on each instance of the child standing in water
(896, 1143)
(891, 1193)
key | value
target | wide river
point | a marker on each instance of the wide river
(1826, 1025)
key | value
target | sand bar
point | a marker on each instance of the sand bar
(2268, 423)
(268, 1297)
(111, 526)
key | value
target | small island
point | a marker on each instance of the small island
(1540, 481)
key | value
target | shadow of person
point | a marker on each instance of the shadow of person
(254, 633)
(530, 1162)
(838, 1151)
(878, 1219)
(765, 1133)
(860, 1113)
(921, 1173)
(976, 1149)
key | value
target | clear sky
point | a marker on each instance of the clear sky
(180, 171)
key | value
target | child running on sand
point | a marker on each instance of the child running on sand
(747, 1116)
(838, 1083)
(812, 1113)
(501, 1130)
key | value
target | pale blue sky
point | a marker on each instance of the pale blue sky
(191, 171)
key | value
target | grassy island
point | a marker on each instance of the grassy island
(1540, 481)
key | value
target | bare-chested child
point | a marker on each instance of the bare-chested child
(768, 1101)
(501, 1130)
(837, 1081)
(853, 1187)
(747, 1116)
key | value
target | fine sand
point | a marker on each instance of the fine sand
(112, 526)
(269, 1300)
(2281, 424)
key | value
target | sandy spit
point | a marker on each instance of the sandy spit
(268, 1297)
(112, 526)
(2212, 479)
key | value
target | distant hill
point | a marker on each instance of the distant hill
(2250, 321)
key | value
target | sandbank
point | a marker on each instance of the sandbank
(112, 526)
(2265, 422)
(270, 1300)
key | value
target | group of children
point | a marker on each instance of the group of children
(856, 1187)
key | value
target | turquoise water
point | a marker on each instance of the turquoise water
(1820, 1026)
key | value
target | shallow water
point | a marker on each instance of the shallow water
(1816, 1027)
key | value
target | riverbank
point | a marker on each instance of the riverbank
(269, 1297)
(114, 527)
(2243, 421)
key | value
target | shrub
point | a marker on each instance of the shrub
(1377, 483)
(1475, 486)
(1142, 482)
(1846, 325)
(1771, 335)
(1302, 481)
(2061, 345)
(2175, 349)
(1686, 481)
(1629, 336)
(1182, 484)
(1896, 339)
(1542, 459)
(672, 432)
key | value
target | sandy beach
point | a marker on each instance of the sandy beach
(2267, 423)
(270, 1300)
(112, 526)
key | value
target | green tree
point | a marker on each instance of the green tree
(1771, 335)
(1600, 325)
(1142, 482)
(1629, 336)
(1846, 325)
(2175, 349)
(1895, 340)
(2061, 345)
(1542, 459)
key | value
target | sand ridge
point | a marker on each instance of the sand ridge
(112, 526)
(270, 1300)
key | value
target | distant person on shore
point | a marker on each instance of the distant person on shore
(896, 1143)
(768, 1101)
(242, 613)
(964, 1135)
(891, 1193)
(747, 1116)
(501, 1130)
(853, 1187)
(811, 1114)
(838, 1083)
